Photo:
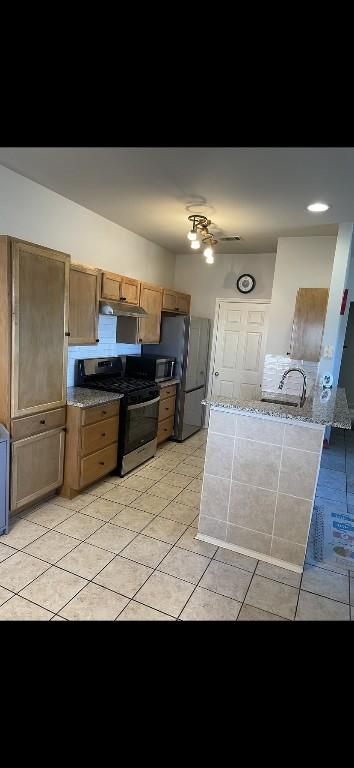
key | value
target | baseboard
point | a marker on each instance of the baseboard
(250, 553)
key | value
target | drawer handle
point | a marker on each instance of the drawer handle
(42, 421)
(103, 434)
(101, 462)
(104, 413)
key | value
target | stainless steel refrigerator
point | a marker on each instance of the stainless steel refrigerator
(187, 339)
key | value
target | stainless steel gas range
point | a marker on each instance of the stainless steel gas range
(139, 408)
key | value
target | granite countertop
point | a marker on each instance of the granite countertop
(84, 398)
(168, 383)
(332, 413)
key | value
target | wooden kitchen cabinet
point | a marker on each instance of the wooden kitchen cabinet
(119, 288)
(37, 467)
(84, 295)
(91, 446)
(308, 324)
(177, 303)
(151, 301)
(34, 304)
(40, 290)
(166, 413)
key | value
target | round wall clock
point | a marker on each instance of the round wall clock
(246, 283)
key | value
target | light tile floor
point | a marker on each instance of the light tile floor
(126, 551)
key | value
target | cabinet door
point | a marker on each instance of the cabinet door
(151, 301)
(170, 301)
(37, 467)
(309, 319)
(40, 322)
(111, 286)
(84, 292)
(130, 290)
(183, 303)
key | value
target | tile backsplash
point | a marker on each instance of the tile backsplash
(106, 347)
(274, 367)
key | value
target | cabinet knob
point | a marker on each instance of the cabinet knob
(97, 340)
(104, 413)
(103, 434)
(123, 298)
(42, 421)
(216, 373)
(67, 333)
(139, 340)
(176, 309)
(101, 462)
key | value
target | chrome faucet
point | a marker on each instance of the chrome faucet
(298, 370)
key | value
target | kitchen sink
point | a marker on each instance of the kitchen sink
(278, 402)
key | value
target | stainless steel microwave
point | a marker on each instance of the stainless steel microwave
(152, 367)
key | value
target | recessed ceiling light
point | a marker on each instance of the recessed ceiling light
(318, 207)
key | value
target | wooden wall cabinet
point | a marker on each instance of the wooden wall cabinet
(84, 295)
(119, 288)
(91, 446)
(176, 303)
(40, 291)
(166, 413)
(151, 301)
(308, 324)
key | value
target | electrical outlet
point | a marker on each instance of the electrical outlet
(328, 351)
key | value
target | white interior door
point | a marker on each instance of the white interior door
(239, 349)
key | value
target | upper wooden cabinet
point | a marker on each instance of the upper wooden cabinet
(119, 288)
(308, 324)
(84, 294)
(176, 302)
(151, 301)
(40, 293)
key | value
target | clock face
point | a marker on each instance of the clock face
(245, 283)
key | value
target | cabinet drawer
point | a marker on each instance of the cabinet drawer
(41, 422)
(167, 392)
(165, 429)
(167, 408)
(99, 412)
(97, 436)
(98, 464)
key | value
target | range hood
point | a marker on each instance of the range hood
(121, 309)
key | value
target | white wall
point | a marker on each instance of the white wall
(32, 212)
(207, 282)
(335, 325)
(301, 262)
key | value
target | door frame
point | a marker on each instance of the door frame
(218, 304)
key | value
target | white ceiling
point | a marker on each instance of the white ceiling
(257, 193)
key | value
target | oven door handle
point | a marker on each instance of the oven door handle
(142, 405)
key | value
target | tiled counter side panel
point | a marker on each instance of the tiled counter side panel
(259, 483)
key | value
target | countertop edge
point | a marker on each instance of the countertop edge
(340, 417)
(80, 397)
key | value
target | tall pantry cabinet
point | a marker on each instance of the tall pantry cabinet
(34, 293)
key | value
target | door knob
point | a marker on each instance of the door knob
(216, 373)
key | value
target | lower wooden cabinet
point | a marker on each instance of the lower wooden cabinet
(91, 446)
(166, 413)
(36, 467)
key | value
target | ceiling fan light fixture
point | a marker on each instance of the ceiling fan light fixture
(195, 244)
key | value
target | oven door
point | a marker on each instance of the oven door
(141, 424)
